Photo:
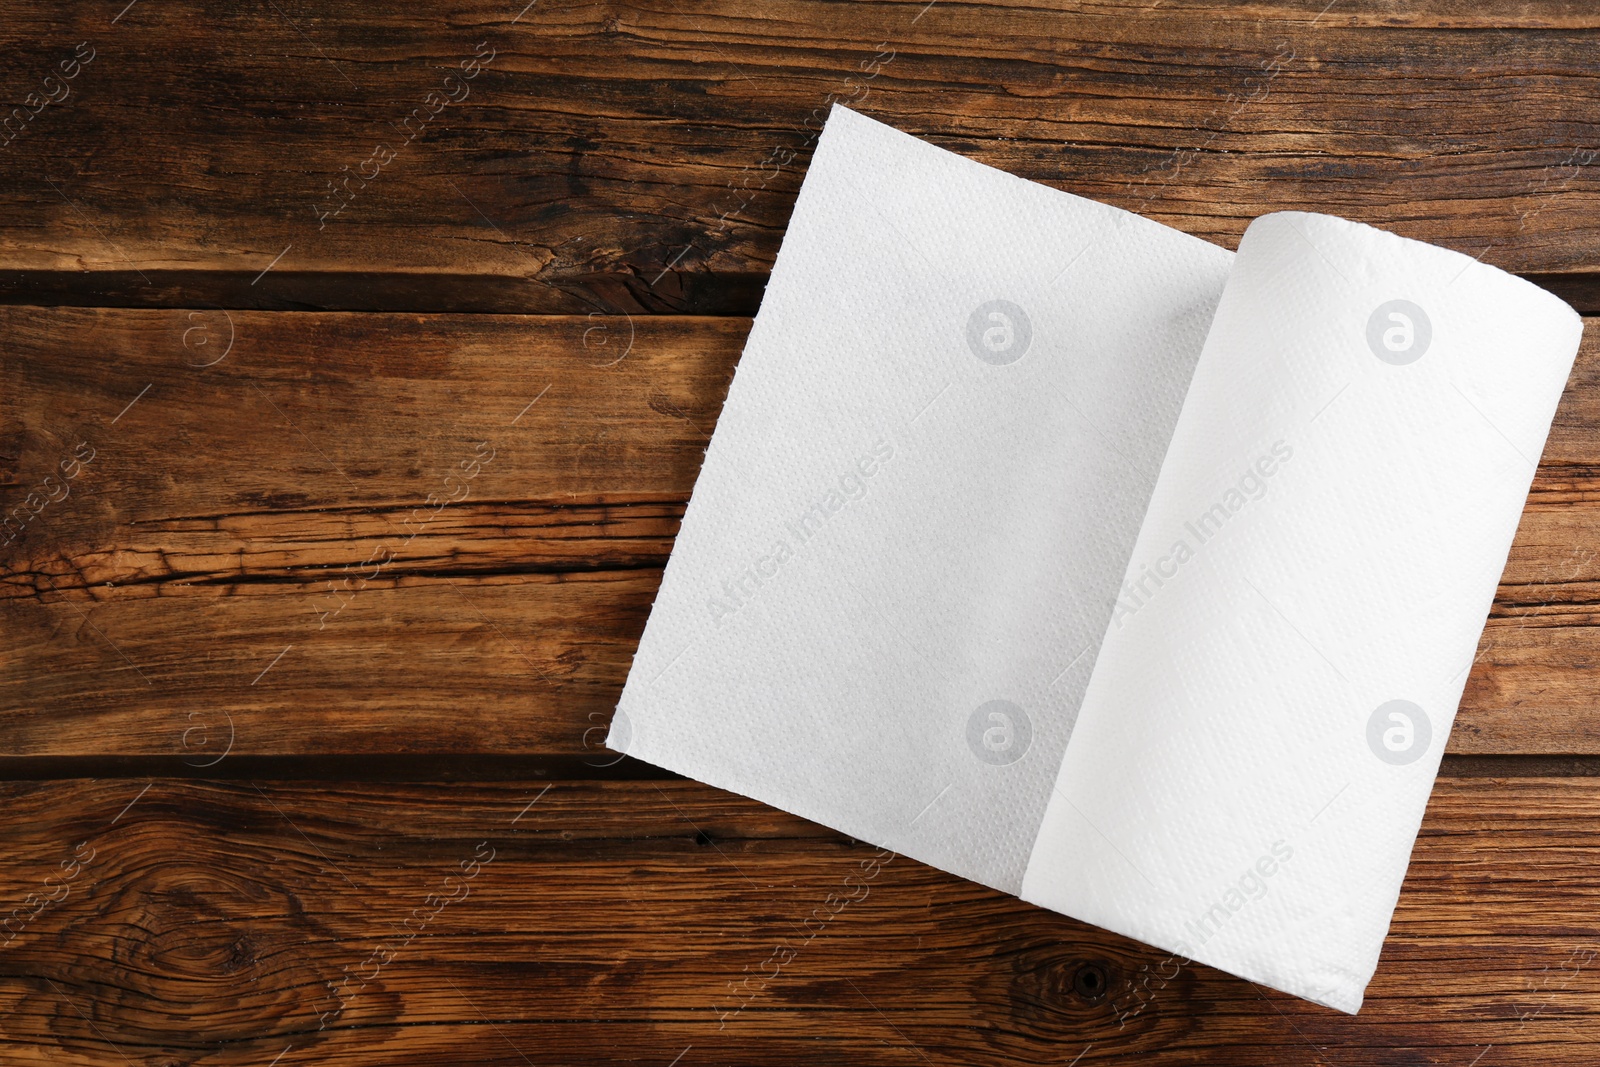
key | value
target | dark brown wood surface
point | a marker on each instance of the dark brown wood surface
(222, 923)
(645, 156)
(326, 537)
(277, 502)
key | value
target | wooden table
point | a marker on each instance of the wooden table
(358, 361)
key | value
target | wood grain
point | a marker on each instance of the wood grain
(222, 923)
(252, 552)
(398, 548)
(644, 155)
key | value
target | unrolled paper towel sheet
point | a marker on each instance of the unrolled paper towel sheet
(905, 543)
(958, 579)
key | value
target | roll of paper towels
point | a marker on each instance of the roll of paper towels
(1078, 557)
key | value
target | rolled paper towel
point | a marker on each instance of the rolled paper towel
(1296, 623)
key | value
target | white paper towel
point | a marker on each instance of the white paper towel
(919, 499)
(932, 494)
(1266, 716)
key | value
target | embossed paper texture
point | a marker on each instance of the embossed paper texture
(922, 491)
(1078, 557)
(1267, 713)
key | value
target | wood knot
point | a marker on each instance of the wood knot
(213, 941)
(1090, 981)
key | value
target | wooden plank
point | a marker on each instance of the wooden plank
(251, 553)
(645, 157)
(230, 923)
(374, 426)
